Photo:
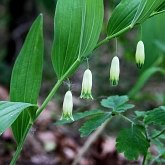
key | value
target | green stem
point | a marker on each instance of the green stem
(126, 118)
(59, 82)
(20, 145)
(146, 133)
(144, 159)
(156, 13)
(122, 31)
(40, 109)
(154, 137)
(102, 42)
(49, 97)
(113, 36)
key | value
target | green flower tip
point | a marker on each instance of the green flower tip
(86, 96)
(114, 82)
(67, 116)
(139, 65)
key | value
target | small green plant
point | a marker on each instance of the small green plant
(78, 25)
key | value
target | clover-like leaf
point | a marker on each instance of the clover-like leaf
(132, 142)
(124, 107)
(117, 103)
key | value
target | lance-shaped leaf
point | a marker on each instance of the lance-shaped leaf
(122, 16)
(27, 75)
(77, 28)
(145, 9)
(9, 111)
(129, 13)
(161, 7)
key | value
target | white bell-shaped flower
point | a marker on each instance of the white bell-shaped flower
(140, 54)
(87, 85)
(67, 106)
(114, 71)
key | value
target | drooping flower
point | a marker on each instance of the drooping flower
(86, 85)
(114, 71)
(140, 54)
(67, 106)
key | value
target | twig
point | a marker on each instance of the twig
(89, 142)
(107, 39)
(144, 159)
(160, 133)
(126, 118)
(156, 13)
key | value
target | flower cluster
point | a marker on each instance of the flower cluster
(87, 81)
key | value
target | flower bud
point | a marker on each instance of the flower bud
(114, 71)
(67, 106)
(140, 54)
(86, 85)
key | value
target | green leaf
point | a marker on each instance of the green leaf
(161, 7)
(155, 133)
(77, 28)
(156, 116)
(140, 114)
(129, 13)
(145, 9)
(114, 101)
(124, 107)
(9, 111)
(154, 41)
(122, 16)
(93, 123)
(160, 45)
(80, 115)
(132, 143)
(117, 103)
(27, 75)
